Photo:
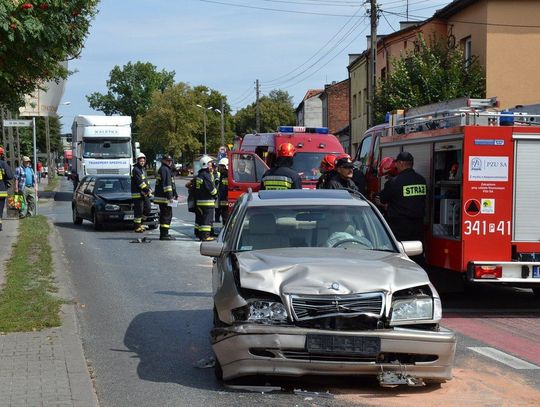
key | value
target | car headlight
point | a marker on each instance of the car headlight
(412, 309)
(266, 312)
(111, 207)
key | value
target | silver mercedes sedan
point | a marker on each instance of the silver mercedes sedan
(314, 282)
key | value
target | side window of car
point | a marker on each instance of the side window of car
(82, 186)
(90, 188)
(244, 171)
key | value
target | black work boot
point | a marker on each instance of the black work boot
(164, 235)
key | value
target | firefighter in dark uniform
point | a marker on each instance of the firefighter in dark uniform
(281, 175)
(205, 199)
(140, 193)
(223, 189)
(405, 196)
(165, 192)
(327, 169)
(343, 176)
(5, 176)
(216, 176)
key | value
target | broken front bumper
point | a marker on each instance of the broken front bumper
(250, 349)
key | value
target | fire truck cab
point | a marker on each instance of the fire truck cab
(257, 153)
(483, 189)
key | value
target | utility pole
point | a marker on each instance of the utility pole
(373, 62)
(222, 110)
(11, 143)
(48, 147)
(258, 109)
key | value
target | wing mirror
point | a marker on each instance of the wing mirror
(212, 249)
(412, 247)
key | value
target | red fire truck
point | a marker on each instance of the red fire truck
(484, 188)
(257, 152)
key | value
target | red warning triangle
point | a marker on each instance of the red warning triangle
(472, 208)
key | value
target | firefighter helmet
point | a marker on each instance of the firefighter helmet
(225, 162)
(205, 161)
(328, 162)
(1, 150)
(141, 155)
(286, 150)
(387, 167)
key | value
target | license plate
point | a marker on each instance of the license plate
(536, 272)
(343, 344)
(128, 217)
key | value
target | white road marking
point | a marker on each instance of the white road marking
(504, 358)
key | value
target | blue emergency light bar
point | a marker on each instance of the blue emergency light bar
(301, 129)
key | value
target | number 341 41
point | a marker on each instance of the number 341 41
(483, 228)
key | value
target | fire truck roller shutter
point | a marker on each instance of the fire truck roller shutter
(422, 159)
(527, 191)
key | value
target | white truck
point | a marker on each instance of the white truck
(101, 145)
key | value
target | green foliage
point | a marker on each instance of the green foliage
(275, 109)
(174, 123)
(34, 37)
(130, 89)
(432, 73)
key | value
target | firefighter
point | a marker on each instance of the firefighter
(405, 196)
(140, 193)
(387, 169)
(343, 176)
(223, 189)
(327, 169)
(5, 176)
(281, 176)
(165, 193)
(205, 199)
(216, 176)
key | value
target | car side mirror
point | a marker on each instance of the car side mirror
(212, 249)
(412, 247)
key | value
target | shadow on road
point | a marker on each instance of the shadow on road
(63, 196)
(188, 294)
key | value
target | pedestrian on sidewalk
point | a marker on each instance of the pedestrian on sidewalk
(5, 177)
(39, 171)
(26, 184)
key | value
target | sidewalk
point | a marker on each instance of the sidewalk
(45, 368)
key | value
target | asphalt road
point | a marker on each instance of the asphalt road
(145, 311)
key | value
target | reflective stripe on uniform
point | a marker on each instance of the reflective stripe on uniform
(206, 202)
(167, 189)
(224, 203)
(277, 182)
(135, 196)
(143, 185)
(160, 200)
(214, 192)
(205, 228)
(3, 194)
(164, 226)
(137, 220)
(224, 182)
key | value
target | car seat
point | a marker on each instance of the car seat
(262, 233)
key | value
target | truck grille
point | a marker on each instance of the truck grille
(107, 171)
(306, 307)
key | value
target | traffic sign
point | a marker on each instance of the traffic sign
(17, 123)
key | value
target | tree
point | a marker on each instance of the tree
(174, 123)
(429, 74)
(130, 89)
(275, 109)
(35, 36)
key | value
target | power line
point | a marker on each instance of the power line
(274, 9)
(341, 40)
(242, 95)
(310, 3)
(316, 53)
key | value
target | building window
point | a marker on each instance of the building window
(383, 73)
(354, 106)
(467, 52)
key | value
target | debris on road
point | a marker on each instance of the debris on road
(141, 240)
(205, 363)
(307, 394)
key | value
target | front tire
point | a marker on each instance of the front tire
(96, 222)
(77, 220)
(536, 291)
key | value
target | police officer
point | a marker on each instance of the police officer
(223, 190)
(5, 176)
(140, 193)
(165, 193)
(343, 177)
(281, 175)
(205, 199)
(405, 196)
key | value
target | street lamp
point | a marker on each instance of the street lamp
(205, 120)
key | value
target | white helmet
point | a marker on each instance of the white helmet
(141, 155)
(225, 162)
(204, 161)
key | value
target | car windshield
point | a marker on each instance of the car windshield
(307, 165)
(108, 185)
(101, 148)
(346, 227)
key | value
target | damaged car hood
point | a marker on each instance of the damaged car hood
(316, 270)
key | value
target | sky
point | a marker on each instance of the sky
(294, 45)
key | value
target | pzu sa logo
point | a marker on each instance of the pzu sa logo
(476, 164)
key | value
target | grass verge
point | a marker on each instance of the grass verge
(27, 302)
(53, 183)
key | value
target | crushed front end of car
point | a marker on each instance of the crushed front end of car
(291, 312)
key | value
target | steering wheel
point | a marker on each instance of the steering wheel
(356, 240)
